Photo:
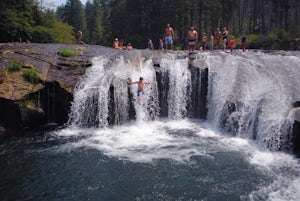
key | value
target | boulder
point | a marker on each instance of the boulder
(26, 105)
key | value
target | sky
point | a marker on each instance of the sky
(54, 3)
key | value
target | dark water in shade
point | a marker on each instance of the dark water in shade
(166, 160)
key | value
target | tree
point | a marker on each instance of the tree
(16, 20)
(24, 20)
(73, 14)
(93, 12)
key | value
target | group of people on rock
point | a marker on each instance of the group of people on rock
(120, 45)
(217, 40)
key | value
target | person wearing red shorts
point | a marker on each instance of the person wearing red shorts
(232, 43)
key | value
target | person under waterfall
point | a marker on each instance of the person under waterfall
(140, 89)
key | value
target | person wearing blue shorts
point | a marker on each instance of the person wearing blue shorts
(140, 90)
(169, 37)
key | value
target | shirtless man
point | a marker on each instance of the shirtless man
(140, 90)
(79, 34)
(192, 39)
(169, 36)
(115, 43)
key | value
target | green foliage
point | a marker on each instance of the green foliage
(73, 14)
(282, 34)
(66, 52)
(177, 47)
(27, 104)
(253, 38)
(94, 15)
(53, 32)
(295, 32)
(26, 21)
(31, 75)
(74, 64)
(136, 20)
(272, 36)
(41, 34)
(14, 66)
(62, 33)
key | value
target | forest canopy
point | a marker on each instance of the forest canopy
(135, 21)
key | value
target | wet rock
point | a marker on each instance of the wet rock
(296, 136)
(296, 130)
(30, 105)
(296, 104)
(32, 117)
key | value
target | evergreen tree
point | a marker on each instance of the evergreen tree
(73, 14)
(16, 20)
(93, 11)
(24, 20)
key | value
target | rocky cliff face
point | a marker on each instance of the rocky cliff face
(25, 104)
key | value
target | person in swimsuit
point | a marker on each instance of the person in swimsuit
(211, 42)
(140, 89)
(204, 42)
(244, 42)
(192, 39)
(116, 44)
(150, 44)
(161, 44)
(232, 44)
(169, 36)
(224, 36)
(79, 34)
(129, 46)
(218, 36)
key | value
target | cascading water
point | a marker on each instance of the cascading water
(175, 158)
(251, 96)
(101, 97)
(176, 75)
(248, 95)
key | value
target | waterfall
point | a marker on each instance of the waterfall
(248, 95)
(251, 96)
(177, 76)
(101, 96)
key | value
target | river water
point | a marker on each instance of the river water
(161, 160)
(241, 152)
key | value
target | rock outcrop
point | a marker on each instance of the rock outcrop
(24, 104)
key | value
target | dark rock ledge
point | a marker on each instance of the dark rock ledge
(29, 106)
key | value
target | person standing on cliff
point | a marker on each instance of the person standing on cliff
(192, 39)
(79, 34)
(224, 37)
(169, 36)
(211, 42)
(244, 42)
(218, 36)
(150, 44)
(232, 44)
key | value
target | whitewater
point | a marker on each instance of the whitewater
(116, 149)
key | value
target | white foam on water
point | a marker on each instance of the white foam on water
(142, 141)
(251, 96)
(285, 171)
(260, 85)
(179, 140)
